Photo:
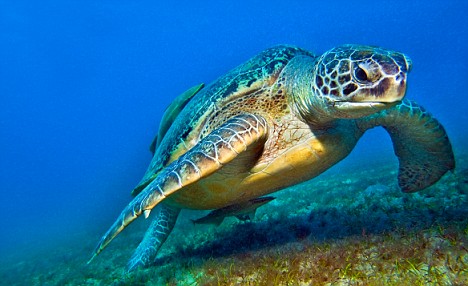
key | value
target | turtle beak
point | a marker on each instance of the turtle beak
(360, 109)
(409, 63)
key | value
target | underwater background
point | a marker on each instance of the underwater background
(83, 85)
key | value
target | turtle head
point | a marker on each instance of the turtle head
(354, 81)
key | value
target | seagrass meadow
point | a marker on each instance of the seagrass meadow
(339, 229)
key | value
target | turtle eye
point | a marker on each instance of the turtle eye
(360, 75)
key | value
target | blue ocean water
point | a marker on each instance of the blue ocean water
(83, 85)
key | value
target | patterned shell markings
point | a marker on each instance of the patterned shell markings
(243, 89)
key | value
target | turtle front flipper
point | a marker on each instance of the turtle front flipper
(420, 143)
(155, 236)
(241, 134)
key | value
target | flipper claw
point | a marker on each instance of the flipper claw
(147, 213)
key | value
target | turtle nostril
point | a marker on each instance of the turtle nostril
(400, 77)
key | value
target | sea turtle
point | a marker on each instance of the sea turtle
(281, 118)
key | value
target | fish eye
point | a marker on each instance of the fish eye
(360, 74)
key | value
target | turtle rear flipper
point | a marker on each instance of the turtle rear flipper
(155, 236)
(241, 135)
(420, 143)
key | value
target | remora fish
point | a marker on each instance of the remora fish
(242, 211)
(171, 112)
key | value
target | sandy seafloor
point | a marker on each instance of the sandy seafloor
(341, 228)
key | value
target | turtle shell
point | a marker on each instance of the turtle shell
(246, 88)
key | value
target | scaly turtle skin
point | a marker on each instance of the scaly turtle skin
(283, 117)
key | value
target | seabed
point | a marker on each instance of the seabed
(354, 228)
